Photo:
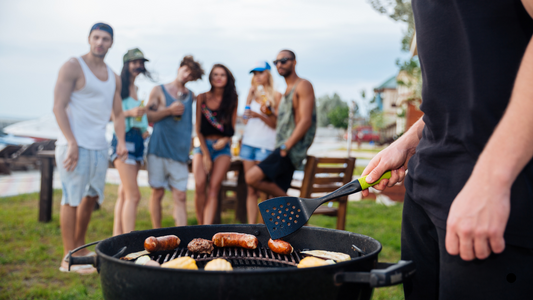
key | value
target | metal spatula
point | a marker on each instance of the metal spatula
(285, 215)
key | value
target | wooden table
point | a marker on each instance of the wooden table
(47, 159)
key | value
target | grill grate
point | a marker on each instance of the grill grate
(238, 257)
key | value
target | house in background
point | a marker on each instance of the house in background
(399, 100)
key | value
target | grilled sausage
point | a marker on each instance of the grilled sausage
(162, 243)
(233, 239)
(280, 246)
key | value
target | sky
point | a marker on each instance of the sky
(342, 46)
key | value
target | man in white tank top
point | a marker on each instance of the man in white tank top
(87, 92)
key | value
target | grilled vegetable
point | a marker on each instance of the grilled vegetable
(152, 263)
(184, 262)
(135, 255)
(143, 260)
(336, 256)
(310, 262)
(218, 264)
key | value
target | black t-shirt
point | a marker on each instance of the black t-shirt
(470, 52)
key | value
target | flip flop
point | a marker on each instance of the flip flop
(77, 269)
(92, 253)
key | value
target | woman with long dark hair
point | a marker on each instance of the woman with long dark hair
(136, 131)
(216, 114)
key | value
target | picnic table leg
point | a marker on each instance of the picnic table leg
(45, 198)
(242, 193)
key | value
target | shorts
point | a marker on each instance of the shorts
(254, 153)
(212, 152)
(166, 173)
(87, 179)
(134, 145)
(278, 169)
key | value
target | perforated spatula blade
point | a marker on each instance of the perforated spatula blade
(285, 215)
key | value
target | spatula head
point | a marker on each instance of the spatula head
(284, 215)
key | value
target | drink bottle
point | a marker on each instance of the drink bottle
(139, 119)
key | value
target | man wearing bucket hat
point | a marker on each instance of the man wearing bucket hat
(86, 94)
(259, 138)
(136, 131)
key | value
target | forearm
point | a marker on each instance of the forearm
(120, 126)
(64, 124)
(158, 115)
(510, 147)
(203, 145)
(269, 120)
(410, 139)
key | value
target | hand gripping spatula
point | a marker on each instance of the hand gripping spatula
(285, 215)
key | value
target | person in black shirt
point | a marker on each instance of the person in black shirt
(468, 210)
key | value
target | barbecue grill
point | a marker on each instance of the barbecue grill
(257, 274)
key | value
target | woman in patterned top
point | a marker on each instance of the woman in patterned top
(216, 114)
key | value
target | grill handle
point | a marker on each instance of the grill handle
(385, 274)
(82, 260)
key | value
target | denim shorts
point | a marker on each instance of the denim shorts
(134, 145)
(212, 152)
(87, 179)
(254, 153)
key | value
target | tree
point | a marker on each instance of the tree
(326, 104)
(398, 10)
(338, 116)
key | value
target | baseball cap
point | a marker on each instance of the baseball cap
(134, 54)
(261, 66)
(102, 26)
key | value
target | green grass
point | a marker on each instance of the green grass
(30, 251)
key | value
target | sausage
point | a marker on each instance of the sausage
(234, 239)
(162, 243)
(280, 246)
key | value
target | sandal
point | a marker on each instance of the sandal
(80, 269)
(92, 253)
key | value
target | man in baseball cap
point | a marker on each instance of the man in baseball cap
(102, 26)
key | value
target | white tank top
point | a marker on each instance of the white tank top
(89, 110)
(257, 133)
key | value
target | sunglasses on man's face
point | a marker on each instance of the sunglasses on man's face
(282, 60)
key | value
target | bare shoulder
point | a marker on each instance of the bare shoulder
(71, 68)
(305, 90)
(304, 86)
(156, 94)
(201, 97)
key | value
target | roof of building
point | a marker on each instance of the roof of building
(389, 84)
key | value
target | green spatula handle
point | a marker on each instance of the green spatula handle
(350, 188)
(365, 185)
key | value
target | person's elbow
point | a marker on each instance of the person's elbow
(306, 123)
(58, 109)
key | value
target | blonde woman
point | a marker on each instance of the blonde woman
(259, 137)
